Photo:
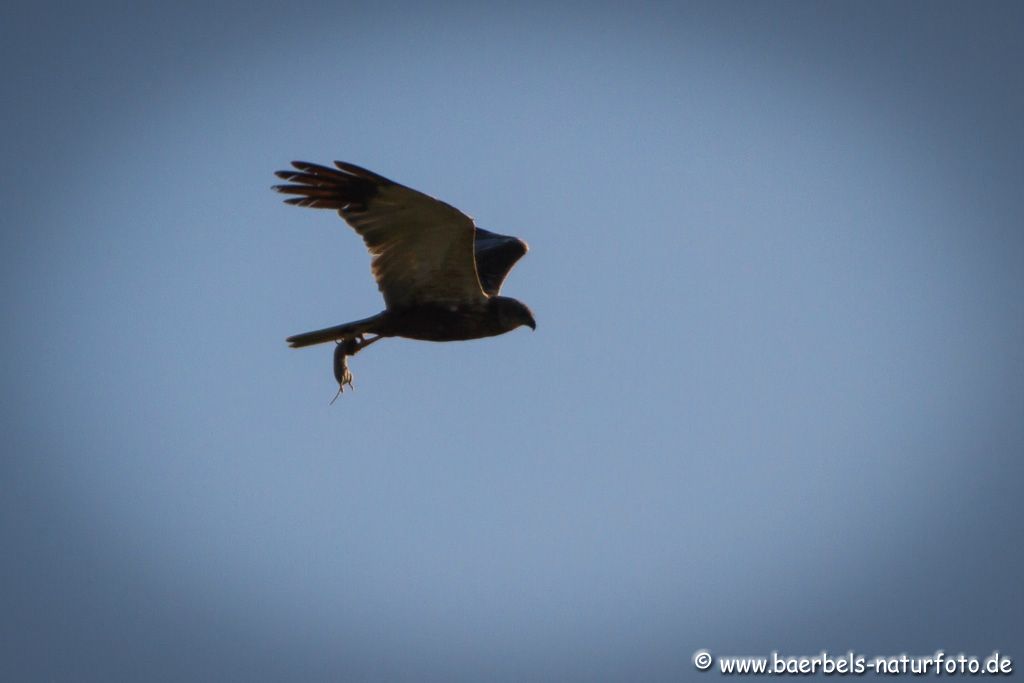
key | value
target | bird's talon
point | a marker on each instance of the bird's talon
(351, 345)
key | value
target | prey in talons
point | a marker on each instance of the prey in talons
(342, 350)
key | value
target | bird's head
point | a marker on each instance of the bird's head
(512, 313)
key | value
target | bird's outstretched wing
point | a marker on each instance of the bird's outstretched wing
(422, 248)
(495, 256)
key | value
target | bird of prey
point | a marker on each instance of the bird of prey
(440, 274)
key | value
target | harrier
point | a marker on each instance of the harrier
(440, 274)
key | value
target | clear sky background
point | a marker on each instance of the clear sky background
(775, 399)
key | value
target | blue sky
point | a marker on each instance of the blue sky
(774, 400)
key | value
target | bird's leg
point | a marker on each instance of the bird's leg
(359, 343)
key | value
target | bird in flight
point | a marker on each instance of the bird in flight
(440, 274)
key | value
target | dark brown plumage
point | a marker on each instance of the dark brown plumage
(439, 274)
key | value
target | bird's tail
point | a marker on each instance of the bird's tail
(369, 325)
